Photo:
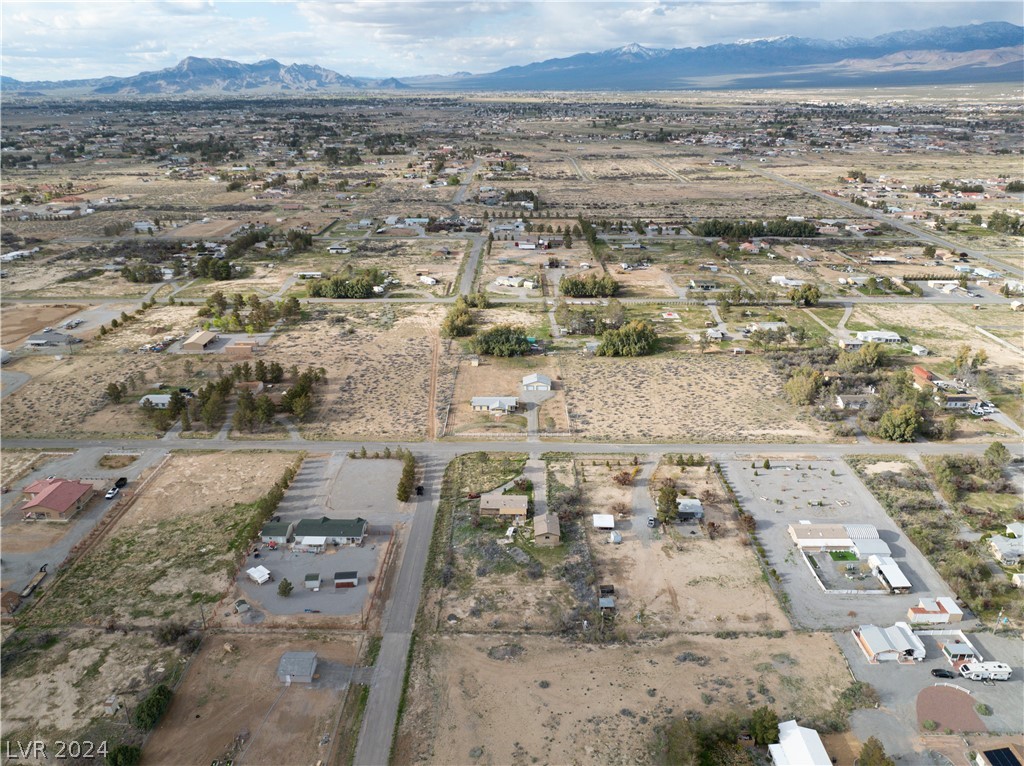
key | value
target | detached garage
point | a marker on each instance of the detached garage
(346, 579)
(199, 341)
(297, 668)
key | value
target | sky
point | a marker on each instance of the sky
(44, 40)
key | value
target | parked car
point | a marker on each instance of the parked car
(121, 482)
(112, 493)
(651, 521)
(943, 673)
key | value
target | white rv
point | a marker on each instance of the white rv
(985, 671)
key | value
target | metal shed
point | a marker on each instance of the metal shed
(297, 668)
(346, 579)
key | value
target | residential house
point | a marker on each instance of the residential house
(1010, 755)
(157, 401)
(1007, 550)
(853, 401)
(316, 533)
(933, 611)
(798, 746)
(689, 509)
(57, 499)
(546, 530)
(850, 344)
(955, 401)
(497, 504)
(536, 381)
(879, 336)
(502, 404)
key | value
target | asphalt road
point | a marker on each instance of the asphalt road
(378, 727)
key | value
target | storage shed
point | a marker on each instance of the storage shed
(604, 521)
(297, 668)
(346, 579)
(312, 581)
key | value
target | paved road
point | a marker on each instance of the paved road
(378, 727)
(469, 273)
(460, 194)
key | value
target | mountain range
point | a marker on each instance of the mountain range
(988, 52)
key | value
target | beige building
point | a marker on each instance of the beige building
(497, 504)
(546, 530)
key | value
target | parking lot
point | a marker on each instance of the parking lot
(337, 487)
(824, 491)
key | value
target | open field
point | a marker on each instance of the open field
(174, 549)
(229, 692)
(664, 397)
(361, 349)
(587, 703)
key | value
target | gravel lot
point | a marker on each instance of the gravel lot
(781, 496)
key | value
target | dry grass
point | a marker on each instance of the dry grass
(694, 398)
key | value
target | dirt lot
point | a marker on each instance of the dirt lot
(61, 688)
(15, 463)
(211, 229)
(170, 551)
(666, 397)
(363, 398)
(678, 580)
(42, 280)
(503, 377)
(18, 322)
(651, 282)
(226, 693)
(586, 703)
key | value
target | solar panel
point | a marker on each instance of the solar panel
(1004, 756)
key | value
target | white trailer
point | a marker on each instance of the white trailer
(986, 671)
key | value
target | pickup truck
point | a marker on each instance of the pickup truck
(120, 483)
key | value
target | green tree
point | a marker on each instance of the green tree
(123, 755)
(114, 393)
(764, 726)
(998, 455)
(900, 424)
(873, 754)
(149, 711)
(805, 295)
(186, 420)
(502, 340)
(285, 588)
(667, 507)
(635, 338)
(803, 386)
(407, 482)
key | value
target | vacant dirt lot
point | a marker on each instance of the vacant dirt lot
(61, 688)
(18, 322)
(711, 397)
(227, 693)
(363, 397)
(587, 703)
(170, 551)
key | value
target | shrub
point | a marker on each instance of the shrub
(123, 755)
(149, 711)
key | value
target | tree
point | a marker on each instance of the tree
(764, 726)
(114, 393)
(805, 295)
(767, 465)
(900, 424)
(285, 588)
(148, 713)
(803, 387)
(123, 755)
(998, 455)
(667, 506)
(408, 479)
(873, 754)
(635, 338)
(567, 240)
(502, 340)
(186, 420)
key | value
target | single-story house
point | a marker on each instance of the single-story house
(887, 644)
(934, 611)
(312, 581)
(536, 381)
(853, 401)
(51, 338)
(689, 509)
(850, 344)
(879, 336)
(346, 579)
(57, 499)
(546, 530)
(604, 521)
(297, 668)
(798, 746)
(199, 341)
(1007, 550)
(277, 532)
(333, 531)
(159, 401)
(889, 573)
(495, 403)
(497, 504)
(955, 401)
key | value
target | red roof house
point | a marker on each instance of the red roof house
(58, 499)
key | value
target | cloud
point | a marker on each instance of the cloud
(63, 40)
